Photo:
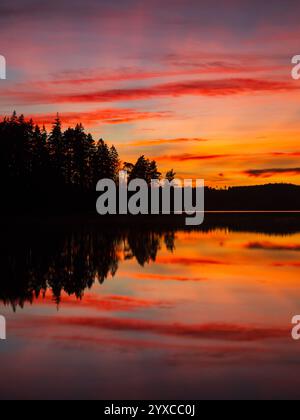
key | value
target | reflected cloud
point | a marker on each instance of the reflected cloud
(269, 246)
(215, 332)
(107, 303)
(169, 277)
(190, 261)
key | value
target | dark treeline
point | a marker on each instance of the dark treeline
(59, 171)
(55, 169)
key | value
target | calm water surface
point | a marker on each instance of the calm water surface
(145, 314)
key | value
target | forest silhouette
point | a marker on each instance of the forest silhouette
(58, 167)
(58, 172)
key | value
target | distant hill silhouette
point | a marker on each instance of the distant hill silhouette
(270, 197)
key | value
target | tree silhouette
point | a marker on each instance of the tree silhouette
(115, 163)
(144, 169)
(83, 152)
(128, 167)
(56, 150)
(171, 175)
(102, 162)
(58, 166)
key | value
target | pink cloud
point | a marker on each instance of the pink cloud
(212, 88)
(112, 303)
(213, 331)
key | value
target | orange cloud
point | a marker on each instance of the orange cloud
(189, 261)
(170, 277)
(189, 157)
(287, 154)
(159, 142)
(286, 264)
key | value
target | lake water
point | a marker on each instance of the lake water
(151, 314)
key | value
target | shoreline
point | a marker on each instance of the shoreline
(276, 222)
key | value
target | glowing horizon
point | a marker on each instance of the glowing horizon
(202, 87)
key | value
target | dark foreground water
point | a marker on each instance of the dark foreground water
(136, 313)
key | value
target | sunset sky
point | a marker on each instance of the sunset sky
(202, 86)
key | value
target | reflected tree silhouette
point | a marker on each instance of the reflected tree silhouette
(69, 262)
(144, 246)
(170, 241)
(36, 259)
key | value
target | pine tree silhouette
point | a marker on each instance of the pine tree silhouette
(144, 169)
(57, 167)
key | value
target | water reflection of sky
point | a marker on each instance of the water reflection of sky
(210, 319)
